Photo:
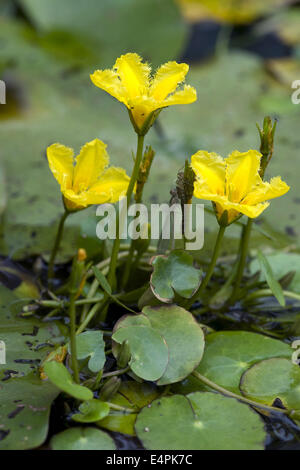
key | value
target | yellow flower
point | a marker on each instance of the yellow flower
(131, 83)
(234, 184)
(86, 180)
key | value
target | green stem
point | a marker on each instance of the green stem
(210, 269)
(227, 393)
(268, 293)
(115, 407)
(127, 266)
(73, 347)
(243, 258)
(89, 317)
(114, 256)
(56, 245)
(116, 372)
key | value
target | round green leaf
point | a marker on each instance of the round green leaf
(174, 274)
(91, 411)
(149, 352)
(61, 377)
(82, 439)
(200, 421)
(271, 379)
(91, 344)
(184, 338)
(228, 354)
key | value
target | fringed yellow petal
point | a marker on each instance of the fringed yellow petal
(109, 81)
(266, 191)
(210, 171)
(241, 173)
(60, 159)
(134, 74)
(90, 163)
(253, 211)
(167, 79)
(185, 96)
(112, 185)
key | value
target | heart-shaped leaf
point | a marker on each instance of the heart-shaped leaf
(149, 352)
(91, 411)
(61, 377)
(182, 335)
(200, 421)
(174, 274)
(82, 439)
(91, 344)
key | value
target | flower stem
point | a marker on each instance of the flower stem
(243, 257)
(115, 251)
(73, 347)
(211, 267)
(227, 393)
(56, 245)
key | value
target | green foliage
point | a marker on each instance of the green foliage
(61, 377)
(282, 264)
(228, 354)
(269, 275)
(91, 344)
(271, 379)
(131, 395)
(82, 439)
(200, 421)
(174, 274)
(170, 328)
(25, 404)
(91, 411)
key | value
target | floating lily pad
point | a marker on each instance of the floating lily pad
(271, 379)
(131, 395)
(200, 421)
(149, 352)
(91, 411)
(184, 338)
(182, 335)
(24, 412)
(82, 439)
(28, 341)
(61, 377)
(228, 354)
(174, 274)
(91, 344)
